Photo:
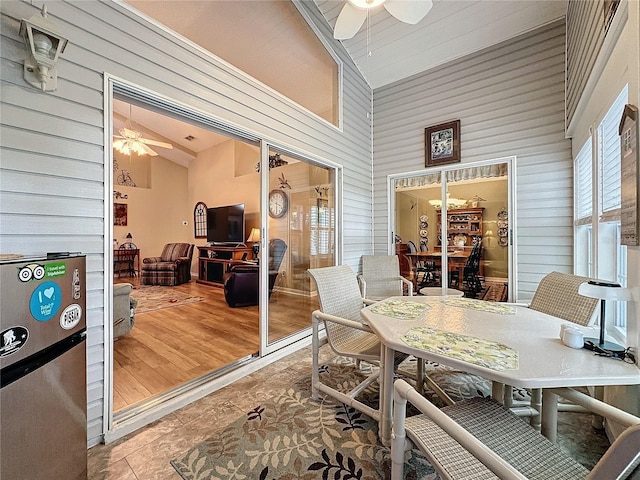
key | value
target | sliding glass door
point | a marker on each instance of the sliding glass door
(458, 218)
(300, 234)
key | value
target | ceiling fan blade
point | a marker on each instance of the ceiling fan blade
(349, 22)
(151, 152)
(408, 11)
(156, 143)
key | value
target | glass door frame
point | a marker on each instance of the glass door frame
(116, 86)
(265, 148)
(511, 209)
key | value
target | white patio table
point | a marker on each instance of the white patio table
(506, 344)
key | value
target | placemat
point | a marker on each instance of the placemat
(401, 309)
(493, 307)
(476, 351)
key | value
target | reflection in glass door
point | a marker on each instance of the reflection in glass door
(301, 235)
(460, 218)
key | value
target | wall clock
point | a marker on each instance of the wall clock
(278, 203)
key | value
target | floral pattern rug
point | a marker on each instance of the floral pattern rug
(292, 436)
(156, 297)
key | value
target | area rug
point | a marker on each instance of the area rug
(156, 297)
(494, 292)
(291, 436)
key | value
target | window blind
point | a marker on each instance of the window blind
(583, 187)
(609, 153)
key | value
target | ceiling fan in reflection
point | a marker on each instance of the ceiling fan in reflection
(131, 141)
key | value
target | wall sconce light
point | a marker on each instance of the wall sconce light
(45, 46)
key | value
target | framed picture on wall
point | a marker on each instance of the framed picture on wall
(628, 131)
(442, 144)
(120, 214)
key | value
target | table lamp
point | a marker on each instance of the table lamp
(254, 237)
(603, 291)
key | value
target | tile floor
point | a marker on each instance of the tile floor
(145, 454)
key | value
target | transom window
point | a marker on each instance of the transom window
(269, 40)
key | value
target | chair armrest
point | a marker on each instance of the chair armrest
(368, 301)
(409, 285)
(403, 392)
(597, 406)
(122, 289)
(342, 321)
(516, 304)
(182, 259)
(152, 260)
(243, 268)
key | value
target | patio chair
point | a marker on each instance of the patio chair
(557, 295)
(340, 304)
(479, 438)
(381, 277)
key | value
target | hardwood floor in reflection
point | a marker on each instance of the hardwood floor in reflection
(171, 346)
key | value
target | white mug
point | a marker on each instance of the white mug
(564, 326)
(573, 338)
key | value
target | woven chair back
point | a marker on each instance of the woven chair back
(557, 295)
(339, 295)
(382, 274)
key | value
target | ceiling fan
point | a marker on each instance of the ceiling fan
(131, 141)
(354, 13)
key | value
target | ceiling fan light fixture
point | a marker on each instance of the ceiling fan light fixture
(366, 4)
(129, 146)
(355, 12)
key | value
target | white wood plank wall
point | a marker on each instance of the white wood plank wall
(510, 101)
(585, 35)
(52, 191)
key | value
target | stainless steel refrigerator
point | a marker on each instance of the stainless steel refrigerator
(43, 387)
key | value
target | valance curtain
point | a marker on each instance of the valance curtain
(486, 171)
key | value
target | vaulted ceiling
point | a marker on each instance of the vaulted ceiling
(452, 29)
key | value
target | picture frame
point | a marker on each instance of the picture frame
(629, 160)
(120, 214)
(442, 144)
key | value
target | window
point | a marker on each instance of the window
(269, 40)
(608, 260)
(583, 209)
